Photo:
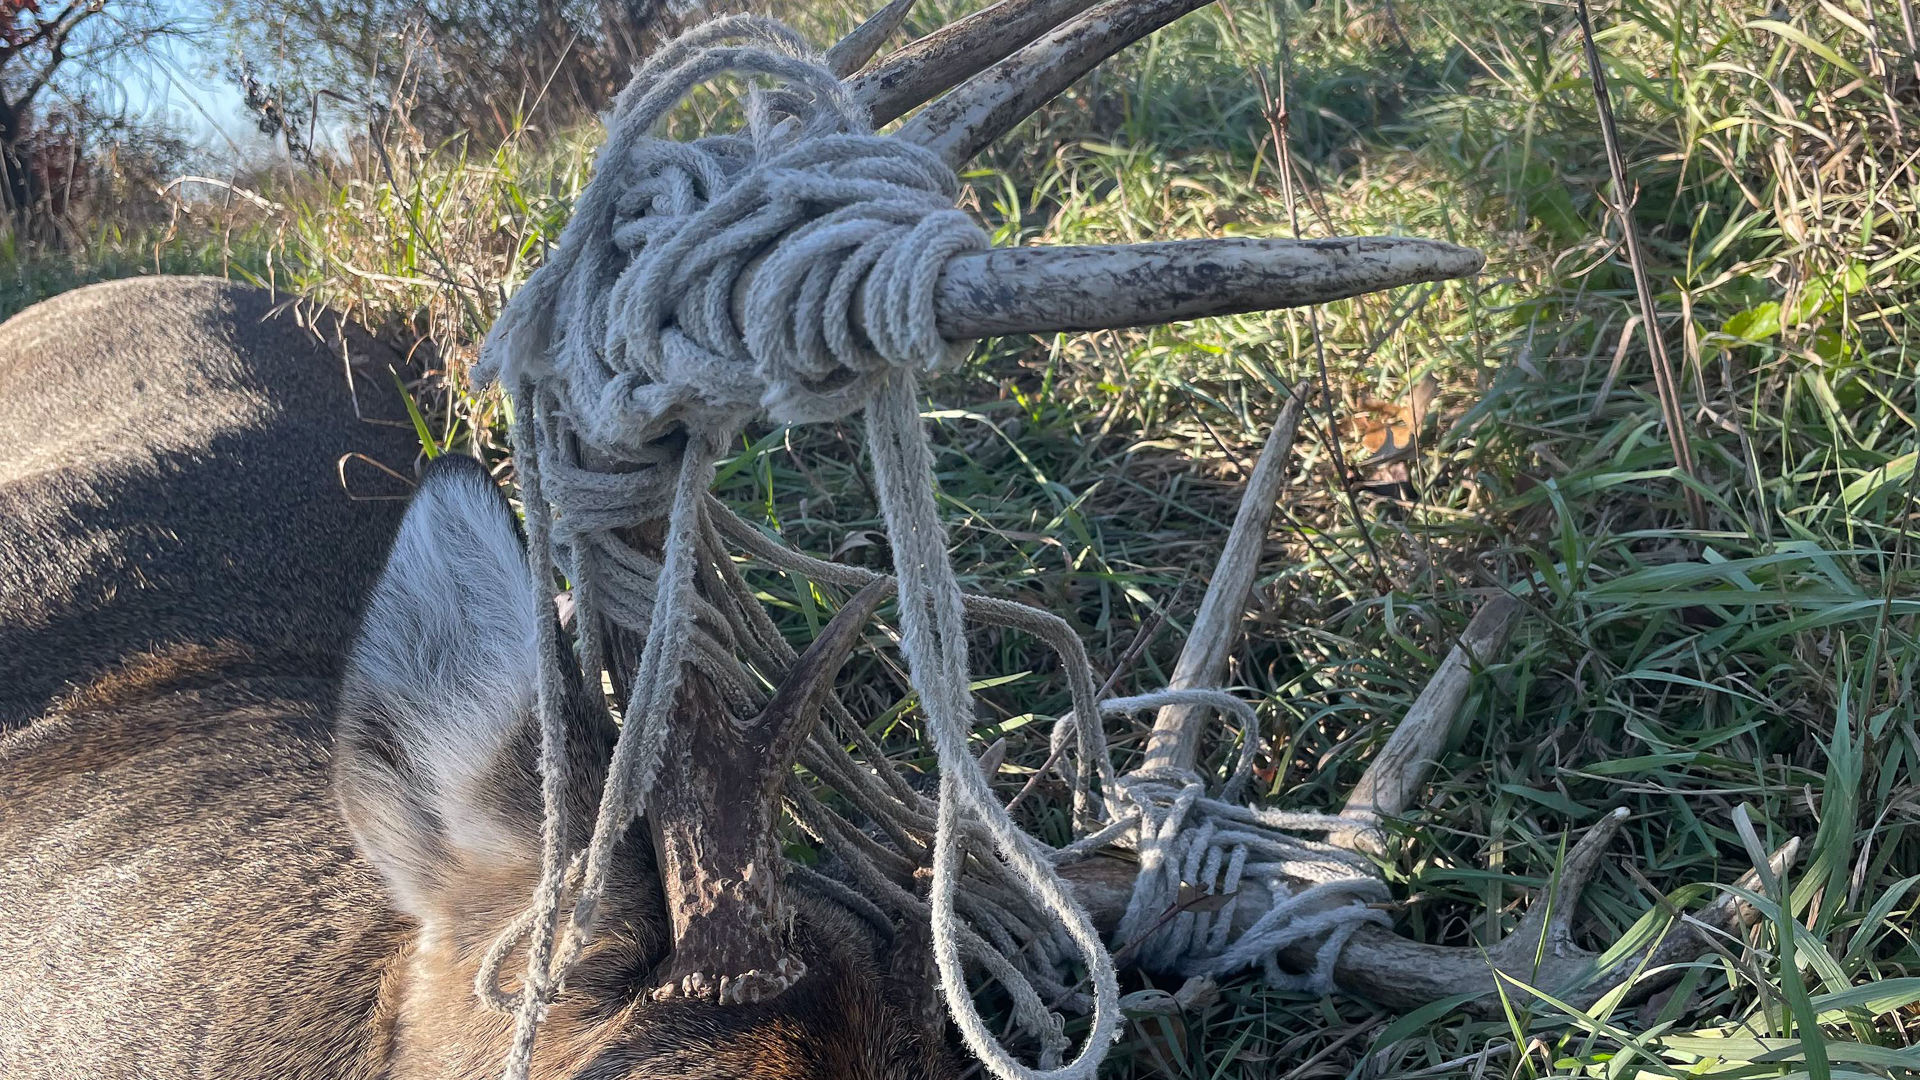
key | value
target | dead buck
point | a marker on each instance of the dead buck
(241, 838)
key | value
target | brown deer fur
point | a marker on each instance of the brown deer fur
(236, 844)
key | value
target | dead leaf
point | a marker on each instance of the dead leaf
(858, 538)
(1388, 429)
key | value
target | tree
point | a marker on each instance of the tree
(43, 46)
(474, 66)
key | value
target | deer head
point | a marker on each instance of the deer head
(437, 773)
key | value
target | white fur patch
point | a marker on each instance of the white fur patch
(448, 654)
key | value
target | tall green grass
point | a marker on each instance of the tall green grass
(1759, 662)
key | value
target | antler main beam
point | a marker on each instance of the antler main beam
(1401, 974)
(969, 119)
(1046, 289)
(1541, 952)
(955, 53)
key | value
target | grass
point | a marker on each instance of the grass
(1731, 681)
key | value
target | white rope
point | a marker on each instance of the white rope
(626, 343)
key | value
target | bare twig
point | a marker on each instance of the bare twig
(1275, 104)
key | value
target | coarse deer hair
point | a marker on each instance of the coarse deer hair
(269, 774)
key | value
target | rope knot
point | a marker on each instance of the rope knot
(783, 269)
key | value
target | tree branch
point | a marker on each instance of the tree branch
(57, 51)
(42, 28)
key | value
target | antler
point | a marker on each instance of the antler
(714, 813)
(954, 53)
(995, 68)
(1380, 965)
(1044, 289)
(1375, 962)
(986, 107)
(713, 808)
(1175, 743)
(1039, 290)
(1014, 57)
(1400, 767)
(858, 47)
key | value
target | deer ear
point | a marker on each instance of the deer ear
(434, 761)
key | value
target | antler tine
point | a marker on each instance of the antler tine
(1393, 779)
(1550, 918)
(1731, 910)
(1034, 290)
(790, 713)
(1175, 743)
(1395, 776)
(944, 59)
(853, 51)
(966, 121)
(713, 816)
(992, 758)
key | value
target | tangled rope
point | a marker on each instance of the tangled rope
(632, 362)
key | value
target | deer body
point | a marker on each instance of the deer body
(169, 477)
(240, 839)
(178, 579)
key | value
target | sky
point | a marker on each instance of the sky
(186, 88)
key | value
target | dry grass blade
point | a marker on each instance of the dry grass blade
(1664, 381)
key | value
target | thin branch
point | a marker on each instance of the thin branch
(42, 28)
(57, 52)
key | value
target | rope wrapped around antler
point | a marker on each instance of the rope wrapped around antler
(632, 362)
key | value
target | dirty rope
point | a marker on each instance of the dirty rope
(637, 341)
